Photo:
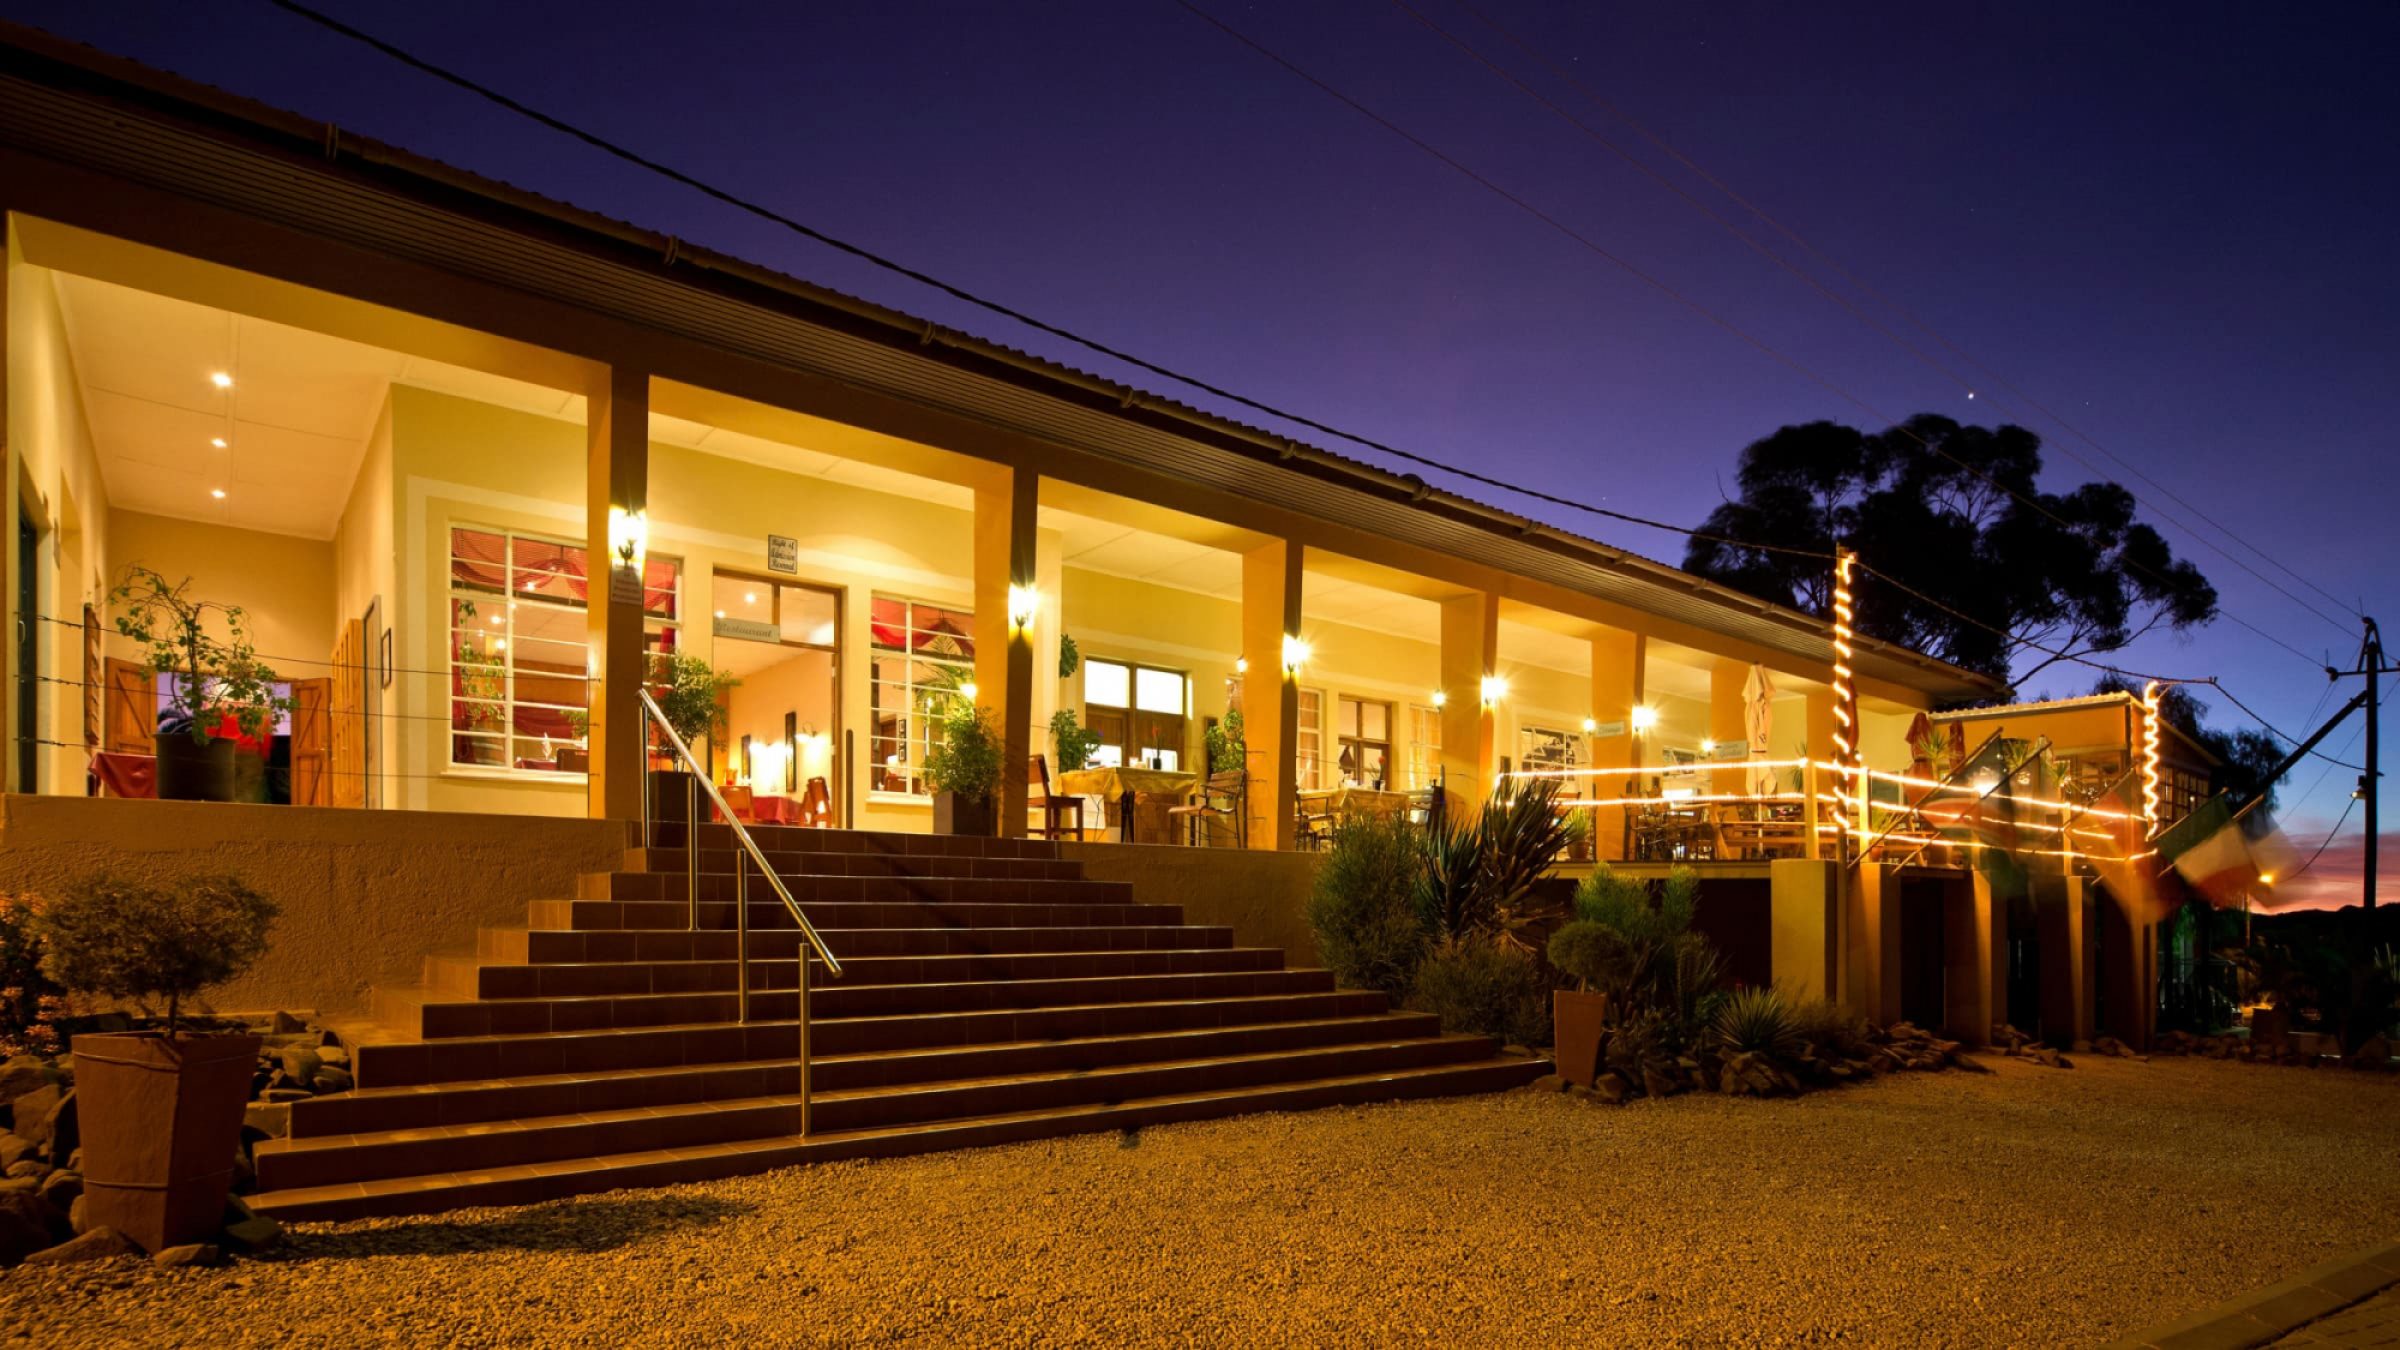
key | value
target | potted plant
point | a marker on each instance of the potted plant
(1222, 739)
(577, 758)
(1075, 741)
(964, 771)
(222, 694)
(691, 692)
(161, 1110)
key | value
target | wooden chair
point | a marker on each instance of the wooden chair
(1221, 796)
(816, 804)
(1056, 810)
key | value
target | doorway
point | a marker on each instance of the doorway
(782, 639)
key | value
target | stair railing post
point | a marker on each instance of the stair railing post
(691, 846)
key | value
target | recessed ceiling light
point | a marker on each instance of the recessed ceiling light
(221, 380)
(217, 441)
(218, 493)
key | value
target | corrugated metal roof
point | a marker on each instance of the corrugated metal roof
(84, 107)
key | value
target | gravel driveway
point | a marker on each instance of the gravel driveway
(2029, 1206)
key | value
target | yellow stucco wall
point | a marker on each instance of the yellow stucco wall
(284, 585)
(364, 895)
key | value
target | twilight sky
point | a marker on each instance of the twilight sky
(2171, 226)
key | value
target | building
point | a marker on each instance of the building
(394, 411)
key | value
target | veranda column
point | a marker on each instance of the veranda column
(1470, 718)
(1726, 723)
(616, 535)
(1271, 581)
(1007, 606)
(1617, 660)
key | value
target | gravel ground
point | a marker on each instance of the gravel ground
(2029, 1206)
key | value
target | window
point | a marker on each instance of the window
(1364, 730)
(519, 644)
(923, 655)
(1424, 746)
(1308, 766)
(1139, 713)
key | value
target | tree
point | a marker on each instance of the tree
(2244, 758)
(2062, 575)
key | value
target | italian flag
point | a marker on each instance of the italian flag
(2228, 859)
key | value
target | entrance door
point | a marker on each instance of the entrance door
(782, 640)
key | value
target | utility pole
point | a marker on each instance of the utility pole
(2371, 665)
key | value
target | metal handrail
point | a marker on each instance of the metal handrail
(741, 884)
(2040, 744)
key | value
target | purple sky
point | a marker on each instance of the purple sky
(2171, 226)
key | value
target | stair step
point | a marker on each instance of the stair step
(797, 863)
(545, 946)
(804, 839)
(526, 1184)
(768, 914)
(809, 890)
(468, 977)
(405, 1060)
(429, 1105)
(381, 1154)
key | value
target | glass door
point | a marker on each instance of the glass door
(782, 640)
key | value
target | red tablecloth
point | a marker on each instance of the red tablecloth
(123, 775)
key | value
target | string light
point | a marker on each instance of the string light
(1845, 697)
(2151, 796)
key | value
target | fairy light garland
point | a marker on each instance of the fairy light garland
(1845, 692)
(2152, 798)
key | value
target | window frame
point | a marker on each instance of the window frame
(916, 734)
(662, 634)
(1130, 744)
(1350, 709)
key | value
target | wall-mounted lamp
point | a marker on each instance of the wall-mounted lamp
(1295, 654)
(1708, 747)
(1495, 688)
(628, 539)
(1590, 725)
(1024, 602)
(968, 691)
(1441, 698)
(1644, 717)
(1241, 665)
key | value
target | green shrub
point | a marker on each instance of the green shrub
(1835, 1029)
(691, 693)
(1481, 871)
(143, 941)
(1757, 1021)
(968, 760)
(29, 999)
(1075, 741)
(1639, 951)
(1362, 907)
(1479, 985)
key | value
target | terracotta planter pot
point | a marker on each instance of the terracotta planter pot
(954, 814)
(1578, 1023)
(161, 1124)
(192, 771)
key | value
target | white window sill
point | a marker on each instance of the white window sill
(488, 774)
(875, 798)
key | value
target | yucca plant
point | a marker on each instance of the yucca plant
(1757, 1021)
(1481, 872)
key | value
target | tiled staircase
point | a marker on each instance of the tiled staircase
(990, 993)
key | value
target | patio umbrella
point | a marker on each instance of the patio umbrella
(1920, 746)
(1758, 718)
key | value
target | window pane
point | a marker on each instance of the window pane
(1107, 683)
(659, 589)
(1158, 691)
(741, 598)
(1375, 721)
(1345, 718)
(478, 560)
(807, 615)
(543, 569)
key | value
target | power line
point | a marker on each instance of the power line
(2295, 873)
(1662, 287)
(2286, 737)
(1761, 214)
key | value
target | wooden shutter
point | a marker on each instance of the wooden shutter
(311, 755)
(346, 731)
(130, 720)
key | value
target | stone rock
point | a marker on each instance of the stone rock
(2376, 1053)
(27, 1167)
(331, 1079)
(300, 1063)
(65, 1069)
(30, 1114)
(79, 1213)
(1657, 1083)
(62, 1188)
(14, 1147)
(1612, 1088)
(189, 1254)
(272, 1119)
(245, 1174)
(21, 1186)
(64, 1126)
(236, 1210)
(288, 1094)
(1520, 1051)
(97, 1245)
(1550, 1082)
(2113, 1048)
(285, 1024)
(22, 1074)
(23, 1229)
(254, 1235)
(336, 1055)
(1970, 1064)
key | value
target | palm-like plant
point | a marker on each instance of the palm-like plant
(1481, 873)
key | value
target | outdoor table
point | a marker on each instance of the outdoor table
(1124, 785)
(1346, 801)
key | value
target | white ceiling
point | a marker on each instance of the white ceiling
(811, 463)
(296, 420)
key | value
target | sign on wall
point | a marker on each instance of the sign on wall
(783, 554)
(1608, 730)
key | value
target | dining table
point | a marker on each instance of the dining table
(1123, 786)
